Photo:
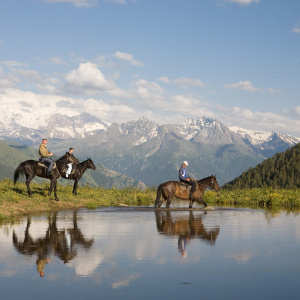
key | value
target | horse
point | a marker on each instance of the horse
(32, 168)
(77, 172)
(185, 227)
(181, 190)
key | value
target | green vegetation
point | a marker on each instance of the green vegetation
(257, 197)
(15, 201)
(280, 171)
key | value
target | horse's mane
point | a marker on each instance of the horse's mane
(62, 157)
(81, 163)
(203, 179)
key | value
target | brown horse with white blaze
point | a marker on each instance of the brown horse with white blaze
(180, 190)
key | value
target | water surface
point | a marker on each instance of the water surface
(142, 253)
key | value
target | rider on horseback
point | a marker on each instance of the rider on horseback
(45, 155)
(184, 177)
(74, 160)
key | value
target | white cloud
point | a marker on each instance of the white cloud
(7, 80)
(184, 82)
(57, 60)
(127, 57)
(274, 91)
(13, 63)
(294, 112)
(243, 2)
(78, 3)
(164, 79)
(243, 85)
(256, 120)
(296, 30)
(87, 79)
(45, 83)
(188, 82)
(117, 1)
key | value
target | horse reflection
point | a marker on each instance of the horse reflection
(186, 228)
(62, 243)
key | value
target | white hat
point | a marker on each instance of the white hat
(186, 163)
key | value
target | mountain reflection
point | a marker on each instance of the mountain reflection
(186, 228)
(62, 243)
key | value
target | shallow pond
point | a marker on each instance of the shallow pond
(140, 253)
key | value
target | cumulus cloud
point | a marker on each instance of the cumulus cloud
(87, 79)
(184, 82)
(127, 57)
(243, 85)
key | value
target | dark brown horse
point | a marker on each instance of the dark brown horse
(181, 190)
(77, 172)
(32, 168)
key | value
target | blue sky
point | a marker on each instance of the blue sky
(234, 60)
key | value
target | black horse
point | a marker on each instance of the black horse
(181, 190)
(77, 172)
(32, 168)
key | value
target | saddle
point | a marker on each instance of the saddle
(184, 186)
(45, 165)
(72, 171)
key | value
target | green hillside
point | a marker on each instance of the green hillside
(280, 171)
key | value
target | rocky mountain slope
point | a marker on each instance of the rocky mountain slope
(152, 153)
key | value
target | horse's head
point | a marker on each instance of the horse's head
(213, 183)
(90, 164)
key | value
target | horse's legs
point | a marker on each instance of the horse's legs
(168, 202)
(75, 186)
(52, 185)
(27, 182)
(191, 203)
(55, 191)
(203, 202)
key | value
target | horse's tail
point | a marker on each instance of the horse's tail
(19, 170)
(158, 194)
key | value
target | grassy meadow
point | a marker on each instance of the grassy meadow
(15, 201)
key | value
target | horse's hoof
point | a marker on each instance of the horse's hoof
(56, 199)
(208, 208)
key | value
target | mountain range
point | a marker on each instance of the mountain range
(148, 152)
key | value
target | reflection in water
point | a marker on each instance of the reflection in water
(186, 228)
(132, 253)
(59, 242)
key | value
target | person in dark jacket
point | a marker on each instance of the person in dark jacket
(75, 161)
(184, 177)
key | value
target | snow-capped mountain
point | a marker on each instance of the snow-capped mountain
(146, 151)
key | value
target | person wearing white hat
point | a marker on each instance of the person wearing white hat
(184, 177)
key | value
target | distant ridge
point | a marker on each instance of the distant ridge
(149, 152)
